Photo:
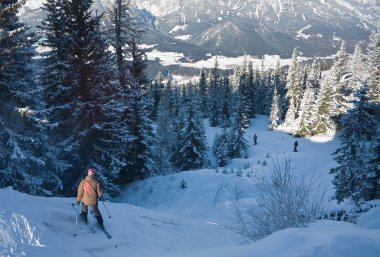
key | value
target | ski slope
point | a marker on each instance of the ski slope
(158, 217)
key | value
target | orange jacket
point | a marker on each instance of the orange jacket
(89, 191)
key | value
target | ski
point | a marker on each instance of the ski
(108, 235)
(87, 223)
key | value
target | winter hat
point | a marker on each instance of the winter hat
(91, 171)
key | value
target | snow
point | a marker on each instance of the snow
(177, 27)
(300, 33)
(157, 217)
(371, 219)
(184, 37)
(174, 58)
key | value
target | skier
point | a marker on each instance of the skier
(295, 146)
(89, 192)
(255, 139)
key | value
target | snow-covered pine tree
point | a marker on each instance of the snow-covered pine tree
(275, 114)
(294, 91)
(225, 120)
(164, 133)
(280, 75)
(252, 91)
(315, 71)
(244, 105)
(306, 113)
(340, 103)
(355, 176)
(323, 121)
(175, 102)
(155, 93)
(28, 162)
(122, 30)
(215, 81)
(238, 143)
(356, 66)
(141, 155)
(247, 88)
(138, 64)
(86, 115)
(141, 152)
(268, 96)
(260, 81)
(191, 151)
(222, 148)
(374, 66)
(124, 33)
(374, 95)
(203, 93)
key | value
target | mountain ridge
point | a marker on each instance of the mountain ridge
(255, 27)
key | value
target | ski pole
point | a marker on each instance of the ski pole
(76, 221)
(109, 216)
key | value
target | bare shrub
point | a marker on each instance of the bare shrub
(284, 199)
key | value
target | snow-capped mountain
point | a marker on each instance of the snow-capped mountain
(255, 27)
(265, 26)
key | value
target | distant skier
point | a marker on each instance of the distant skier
(295, 146)
(89, 192)
(255, 139)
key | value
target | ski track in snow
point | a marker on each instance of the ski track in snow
(156, 217)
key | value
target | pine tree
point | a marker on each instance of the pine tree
(238, 143)
(122, 30)
(222, 148)
(155, 93)
(141, 152)
(354, 177)
(203, 94)
(243, 93)
(315, 71)
(340, 103)
(294, 91)
(164, 133)
(323, 121)
(252, 91)
(374, 66)
(87, 112)
(260, 81)
(374, 99)
(275, 114)
(28, 162)
(192, 148)
(247, 88)
(214, 96)
(280, 75)
(306, 113)
(356, 66)
(142, 149)
(225, 120)
(139, 64)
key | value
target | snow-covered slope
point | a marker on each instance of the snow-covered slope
(158, 217)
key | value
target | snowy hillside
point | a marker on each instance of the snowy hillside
(158, 217)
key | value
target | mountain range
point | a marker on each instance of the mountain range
(255, 27)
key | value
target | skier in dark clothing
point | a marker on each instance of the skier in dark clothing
(255, 139)
(89, 192)
(295, 146)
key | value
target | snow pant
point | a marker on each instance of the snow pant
(97, 213)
